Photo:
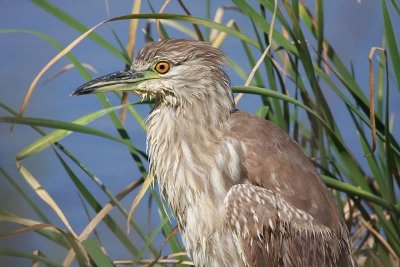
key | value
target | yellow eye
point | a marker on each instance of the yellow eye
(162, 67)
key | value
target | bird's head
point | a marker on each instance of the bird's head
(174, 71)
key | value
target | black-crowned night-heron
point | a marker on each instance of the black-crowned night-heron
(243, 192)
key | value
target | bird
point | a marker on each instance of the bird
(242, 190)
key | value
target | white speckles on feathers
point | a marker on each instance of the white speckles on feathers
(281, 229)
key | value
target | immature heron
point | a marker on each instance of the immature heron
(243, 192)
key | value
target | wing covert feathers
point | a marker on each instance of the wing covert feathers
(271, 232)
(281, 213)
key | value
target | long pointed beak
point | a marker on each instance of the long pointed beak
(120, 81)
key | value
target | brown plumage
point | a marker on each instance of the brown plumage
(243, 192)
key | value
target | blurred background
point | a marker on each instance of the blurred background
(352, 28)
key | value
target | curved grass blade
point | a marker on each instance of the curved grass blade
(177, 26)
(57, 135)
(82, 256)
(48, 233)
(69, 127)
(147, 182)
(72, 22)
(350, 189)
(21, 254)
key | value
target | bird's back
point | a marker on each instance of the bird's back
(281, 211)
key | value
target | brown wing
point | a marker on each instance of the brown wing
(287, 211)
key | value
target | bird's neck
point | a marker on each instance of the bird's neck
(183, 144)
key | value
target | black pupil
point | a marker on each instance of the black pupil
(162, 66)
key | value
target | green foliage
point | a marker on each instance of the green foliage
(299, 58)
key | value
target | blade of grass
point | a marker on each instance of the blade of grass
(372, 95)
(308, 66)
(319, 9)
(57, 135)
(208, 16)
(147, 182)
(391, 164)
(69, 127)
(174, 243)
(21, 254)
(267, 49)
(48, 233)
(130, 47)
(372, 161)
(195, 26)
(82, 256)
(392, 42)
(333, 183)
(177, 26)
(96, 253)
(150, 239)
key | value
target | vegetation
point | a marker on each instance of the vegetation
(294, 68)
